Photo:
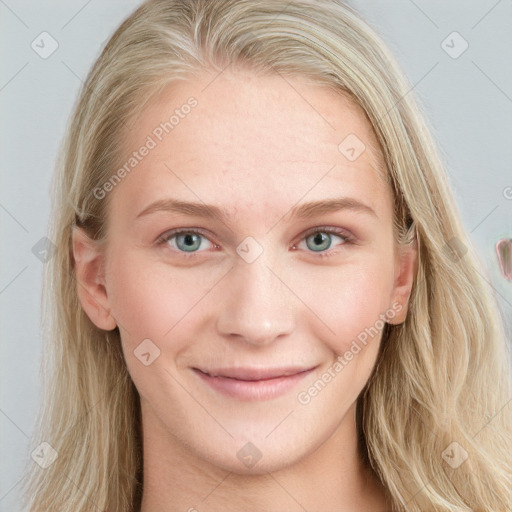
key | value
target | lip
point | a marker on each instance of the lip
(253, 383)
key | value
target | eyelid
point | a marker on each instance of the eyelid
(164, 237)
(333, 230)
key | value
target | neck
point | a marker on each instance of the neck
(331, 478)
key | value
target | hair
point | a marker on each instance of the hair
(442, 376)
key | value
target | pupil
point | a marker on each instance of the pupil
(321, 241)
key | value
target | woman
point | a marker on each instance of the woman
(263, 297)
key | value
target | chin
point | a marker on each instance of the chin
(244, 457)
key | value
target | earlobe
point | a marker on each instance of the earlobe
(90, 285)
(407, 263)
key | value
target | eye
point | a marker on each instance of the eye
(321, 239)
(187, 241)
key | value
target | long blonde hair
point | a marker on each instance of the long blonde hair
(442, 377)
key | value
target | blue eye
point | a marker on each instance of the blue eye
(190, 241)
(322, 239)
(186, 241)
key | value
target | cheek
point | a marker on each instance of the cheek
(350, 300)
(150, 302)
(146, 302)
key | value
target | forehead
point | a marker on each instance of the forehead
(253, 142)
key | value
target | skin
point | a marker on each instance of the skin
(256, 146)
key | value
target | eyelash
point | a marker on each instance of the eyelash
(347, 239)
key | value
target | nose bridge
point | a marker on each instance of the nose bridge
(258, 307)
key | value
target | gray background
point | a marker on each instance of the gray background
(468, 101)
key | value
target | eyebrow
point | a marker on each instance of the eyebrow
(302, 211)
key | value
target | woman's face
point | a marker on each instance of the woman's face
(250, 340)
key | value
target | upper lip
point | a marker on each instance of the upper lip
(245, 373)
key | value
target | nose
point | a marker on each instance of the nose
(257, 307)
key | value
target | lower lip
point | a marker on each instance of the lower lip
(264, 389)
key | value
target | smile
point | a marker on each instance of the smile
(253, 384)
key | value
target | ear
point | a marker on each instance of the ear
(90, 282)
(406, 265)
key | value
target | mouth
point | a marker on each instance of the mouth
(253, 383)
